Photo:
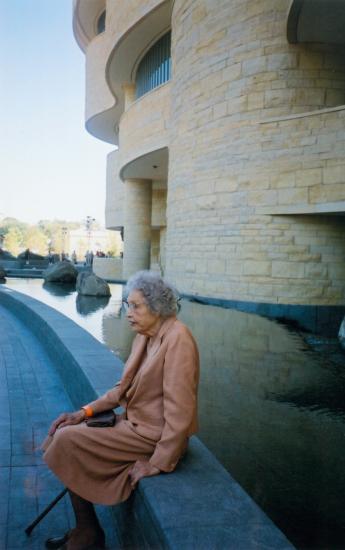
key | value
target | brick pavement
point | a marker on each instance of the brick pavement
(31, 396)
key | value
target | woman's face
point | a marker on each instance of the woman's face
(140, 317)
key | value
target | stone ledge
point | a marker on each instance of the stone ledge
(198, 506)
(305, 114)
(298, 209)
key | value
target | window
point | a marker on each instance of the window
(155, 67)
(101, 23)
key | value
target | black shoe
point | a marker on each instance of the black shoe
(57, 542)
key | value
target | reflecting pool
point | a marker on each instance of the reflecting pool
(272, 406)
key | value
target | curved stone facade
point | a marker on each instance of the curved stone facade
(247, 139)
(114, 205)
(231, 164)
(144, 127)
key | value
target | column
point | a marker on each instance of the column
(137, 226)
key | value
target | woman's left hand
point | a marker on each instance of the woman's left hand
(141, 468)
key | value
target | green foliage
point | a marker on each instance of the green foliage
(13, 240)
(39, 238)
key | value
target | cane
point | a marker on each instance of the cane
(32, 525)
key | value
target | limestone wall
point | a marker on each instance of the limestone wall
(114, 205)
(306, 163)
(159, 204)
(229, 170)
(111, 56)
(98, 95)
(144, 127)
(108, 268)
(255, 132)
(121, 16)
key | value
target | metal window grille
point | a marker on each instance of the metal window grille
(155, 67)
(101, 22)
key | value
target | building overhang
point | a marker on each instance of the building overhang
(124, 58)
(85, 16)
(153, 166)
(316, 21)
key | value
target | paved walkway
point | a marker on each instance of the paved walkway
(31, 396)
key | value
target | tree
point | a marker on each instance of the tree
(36, 240)
(13, 241)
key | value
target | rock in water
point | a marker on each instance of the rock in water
(88, 284)
(62, 272)
(2, 275)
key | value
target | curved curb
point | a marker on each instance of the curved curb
(86, 367)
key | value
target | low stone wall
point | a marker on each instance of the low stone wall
(108, 268)
(198, 506)
(18, 264)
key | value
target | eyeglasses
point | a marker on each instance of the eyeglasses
(132, 305)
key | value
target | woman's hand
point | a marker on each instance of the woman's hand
(141, 468)
(67, 419)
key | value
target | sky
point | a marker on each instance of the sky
(50, 167)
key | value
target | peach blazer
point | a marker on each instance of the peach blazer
(158, 391)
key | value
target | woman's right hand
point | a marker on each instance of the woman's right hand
(67, 419)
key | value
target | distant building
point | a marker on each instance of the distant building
(80, 240)
(230, 122)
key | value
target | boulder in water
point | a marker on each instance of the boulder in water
(2, 275)
(88, 284)
(62, 272)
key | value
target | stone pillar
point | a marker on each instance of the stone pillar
(137, 226)
(129, 90)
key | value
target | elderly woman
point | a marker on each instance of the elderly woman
(158, 391)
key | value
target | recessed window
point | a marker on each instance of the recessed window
(101, 23)
(155, 67)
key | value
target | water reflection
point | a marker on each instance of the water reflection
(271, 410)
(117, 334)
(89, 304)
(56, 289)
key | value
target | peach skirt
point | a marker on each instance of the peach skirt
(94, 462)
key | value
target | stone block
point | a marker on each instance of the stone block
(337, 271)
(327, 193)
(293, 196)
(255, 101)
(278, 61)
(334, 174)
(282, 180)
(312, 176)
(277, 98)
(292, 270)
(232, 72)
(252, 267)
(263, 197)
(220, 110)
(263, 290)
(237, 105)
(335, 97)
(234, 267)
(315, 270)
(310, 97)
(216, 266)
(253, 66)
